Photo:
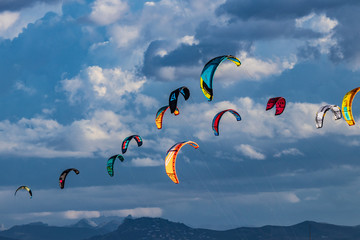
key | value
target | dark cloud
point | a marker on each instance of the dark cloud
(220, 40)
(40, 57)
(308, 52)
(278, 9)
(16, 5)
(347, 35)
(345, 12)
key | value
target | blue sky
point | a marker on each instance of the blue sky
(78, 76)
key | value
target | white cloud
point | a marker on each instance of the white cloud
(146, 162)
(95, 83)
(250, 152)
(167, 73)
(46, 138)
(266, 197)
(149, 4)
(21, 86)
(76, 214)
(319, 23)
(13, 23)
(322, 24)
(124, 35)
(252, 68)
(105, 12)
(71, 214)
(7, 19)
(189, 40)
(290, 151)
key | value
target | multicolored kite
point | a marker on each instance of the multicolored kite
(208, 72)
(216, 120)
(160, 114)
(173, 98)
(110, 163)
(280, 104)
(126, 141)
(346, 106)
(170, 159)
(25, 188)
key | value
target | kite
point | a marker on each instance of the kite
(279, 102)
(216, 120)
(319, 118)
(126, 141)
(170, 159)
(346, 106)
(25, 188)
(173, 98)
(64, 174)
(110, 163)
(160, 114)
(207, 74)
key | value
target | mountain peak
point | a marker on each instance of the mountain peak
(85, 223)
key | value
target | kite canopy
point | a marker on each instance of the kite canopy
(320, 115)
(64, 174)
(216, 120)
(25, 188)
(346, 106)
(173, 98)
(207, 74)
(279, 102)
(160, 114)
(125, 143)
(110, 163)
(170, 159)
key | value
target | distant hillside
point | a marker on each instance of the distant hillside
(40, 231)
(157, 228)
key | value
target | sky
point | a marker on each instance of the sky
(78, 76)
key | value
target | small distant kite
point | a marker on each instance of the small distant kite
(160, 114)
(346, 106)
(110, 163)
(25, 188)
(207, 74)
(216, 120)
(279, 102)
(173, 98)
(319, 118)
(170, 159)
(64, 174)
(125, 143)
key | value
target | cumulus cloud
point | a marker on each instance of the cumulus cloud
(105, 12)
(253, 69)
(12, 23)
(46, 138)
(250, 152)
(323, 24)
(95, 83)
(123, 36)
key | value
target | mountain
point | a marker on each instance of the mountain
(102, 224)
(41, 231)
(84, 223)
(158, 228)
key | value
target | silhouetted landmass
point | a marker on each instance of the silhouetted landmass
(157, 228)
